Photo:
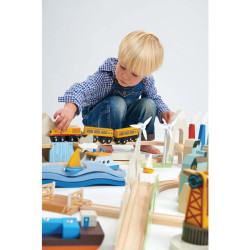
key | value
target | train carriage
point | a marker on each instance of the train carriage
(124, 135)
(71, 134)
(103, 135)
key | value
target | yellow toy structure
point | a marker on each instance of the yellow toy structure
(195, 227)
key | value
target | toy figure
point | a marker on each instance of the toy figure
(110, 97)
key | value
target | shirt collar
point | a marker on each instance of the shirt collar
(109, 65)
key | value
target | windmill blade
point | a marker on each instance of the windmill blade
(163, 126)
(147, 121)
(195, 118)
(136, 125)
(144, 134)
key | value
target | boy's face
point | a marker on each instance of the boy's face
(125, 77)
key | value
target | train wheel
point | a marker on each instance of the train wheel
(95, 139)
(118, 140)
(54, 138)
(130, 139)
(124, 141)
(102, 140)
(134, 138)
(61, 138)
(109, 140)
(70, 138)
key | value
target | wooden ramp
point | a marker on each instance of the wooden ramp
(132, 231)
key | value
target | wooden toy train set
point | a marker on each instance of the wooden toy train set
(97, 168)
(103, 135)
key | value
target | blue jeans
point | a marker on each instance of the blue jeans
(113, 112)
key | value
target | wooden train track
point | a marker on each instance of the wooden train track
(156, 218)
(134, 223)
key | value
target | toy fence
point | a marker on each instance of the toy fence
(75, 197)
(48, 190)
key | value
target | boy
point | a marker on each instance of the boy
(110, 97)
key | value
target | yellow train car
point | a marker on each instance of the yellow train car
(124, 135)
(103, 135)
(71, 134)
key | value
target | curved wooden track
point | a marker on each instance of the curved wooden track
(164, 185)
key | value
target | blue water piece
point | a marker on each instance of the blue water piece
(93, 182)
(73, 170)
(90, 167)
(84, 177)
(61, 151)
(92, 174)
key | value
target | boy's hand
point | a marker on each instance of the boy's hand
(167, 116)
(65, 115)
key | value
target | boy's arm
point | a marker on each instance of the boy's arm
(86, 92)
(79, 95)
(163, 110)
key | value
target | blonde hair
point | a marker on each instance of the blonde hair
(141, 52)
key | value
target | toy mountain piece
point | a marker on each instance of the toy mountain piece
(96, 168)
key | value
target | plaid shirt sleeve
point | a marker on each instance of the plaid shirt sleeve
(150, 91)
(91, 91)
(88, 92)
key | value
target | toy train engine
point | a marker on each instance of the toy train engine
(103, 135)
(124, 135)
(71, 134)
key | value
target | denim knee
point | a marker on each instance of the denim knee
(147, 106)
(118, 107)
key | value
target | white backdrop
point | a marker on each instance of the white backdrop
(78, 35)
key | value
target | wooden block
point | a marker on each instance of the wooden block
(183, 198)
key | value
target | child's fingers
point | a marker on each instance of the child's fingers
(59, 119)
(58, 112)
(65, 126)
(62, 123)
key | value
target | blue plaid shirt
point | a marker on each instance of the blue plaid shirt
(98, 85)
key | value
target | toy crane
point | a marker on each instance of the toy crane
(195, 226)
